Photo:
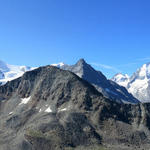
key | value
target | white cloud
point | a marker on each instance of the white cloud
(128, 64)
(144, 59)
(106, 67)
(136, 62)
(116, 70)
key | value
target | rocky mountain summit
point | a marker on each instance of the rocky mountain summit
(53, 109)
(107, 87)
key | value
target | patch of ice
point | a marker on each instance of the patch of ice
(25, 100)
(58, 65)
(79, 74)
(11, 113)
(48, 110)
(64, 109)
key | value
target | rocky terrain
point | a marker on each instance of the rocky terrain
(53, 109)
(108, 88)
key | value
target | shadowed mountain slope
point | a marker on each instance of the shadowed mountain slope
(108, 88)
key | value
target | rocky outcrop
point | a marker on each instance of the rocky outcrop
(108, 88)
(50, 108)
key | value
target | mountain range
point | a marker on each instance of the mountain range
(54, 109)
(136, 89)
(109, 88)
(138, 84)
(10, 72)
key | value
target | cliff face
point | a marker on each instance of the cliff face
(49, 108)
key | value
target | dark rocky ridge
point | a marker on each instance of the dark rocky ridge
(78, 116)
(108, 88)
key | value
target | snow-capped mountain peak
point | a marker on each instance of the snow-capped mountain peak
(138, 84)
(10, 72)
(121, 79)
(108, 88)
(143, 72)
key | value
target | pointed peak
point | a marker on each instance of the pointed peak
(81, 61)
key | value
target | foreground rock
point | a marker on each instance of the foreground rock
(52, 109)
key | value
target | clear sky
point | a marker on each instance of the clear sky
(112, 35)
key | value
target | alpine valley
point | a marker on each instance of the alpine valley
(73, 107)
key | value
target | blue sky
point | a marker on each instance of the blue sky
(112, 35)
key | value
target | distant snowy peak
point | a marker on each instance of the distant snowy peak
(108, 88)
(58, 65)
(142, 73)
(121, 79)
(16, 71)
(11, 72)
(138, 84)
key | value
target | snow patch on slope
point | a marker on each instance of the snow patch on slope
(58, 65)
(25, 100)
(48, 110)
(11, 113)
(64, 109)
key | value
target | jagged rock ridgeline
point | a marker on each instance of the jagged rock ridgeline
(50, 108)
(109, 88)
